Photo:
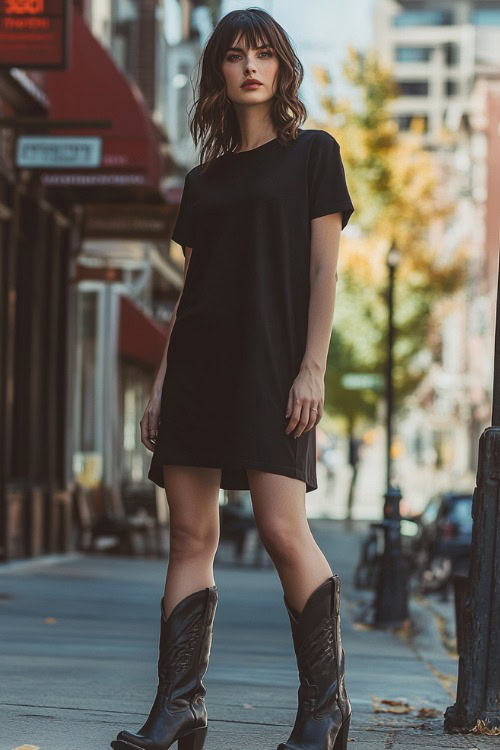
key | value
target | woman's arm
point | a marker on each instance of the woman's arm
(325, 239)
(158, 384)
(308, 386)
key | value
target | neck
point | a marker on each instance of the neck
(255, 126)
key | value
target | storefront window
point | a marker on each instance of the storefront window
(136, 390)
(87, 459)
(183, 93)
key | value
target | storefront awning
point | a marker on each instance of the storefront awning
(141, 337)
(128, 150)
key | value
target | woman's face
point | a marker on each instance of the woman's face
(240, 64)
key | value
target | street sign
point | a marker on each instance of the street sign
(58, 151)
(355, 381)
(34, 33)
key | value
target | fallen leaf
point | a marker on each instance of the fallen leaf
(391, 706)
(26, 747)
(482, 728)
(426, 712)
(50, 620)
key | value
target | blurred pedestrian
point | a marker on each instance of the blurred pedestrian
(237, 406)
(354, 455)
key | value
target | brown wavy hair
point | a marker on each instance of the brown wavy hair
(214, 124)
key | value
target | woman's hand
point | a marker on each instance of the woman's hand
(306, 394)
(149, 422)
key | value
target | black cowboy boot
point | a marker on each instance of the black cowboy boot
(179, 712)
(324, 708)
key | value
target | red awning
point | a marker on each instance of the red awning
(94, 88)
(141, 337)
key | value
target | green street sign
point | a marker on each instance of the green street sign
(354, 381)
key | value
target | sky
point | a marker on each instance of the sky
(320, 30)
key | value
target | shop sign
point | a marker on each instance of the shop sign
(58, 151)
(128, 221)
(34, 33)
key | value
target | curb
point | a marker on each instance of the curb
(21, 566)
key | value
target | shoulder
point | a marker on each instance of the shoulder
(320, 140)
(193, 172)
(321, 148)
(316, 135)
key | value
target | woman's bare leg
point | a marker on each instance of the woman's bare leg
(280, 515)
(193, 500)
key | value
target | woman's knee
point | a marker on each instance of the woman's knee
(196, 539)
(283, 541)
(193, 500)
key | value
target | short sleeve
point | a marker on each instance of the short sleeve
(183, 232)
(327, 188)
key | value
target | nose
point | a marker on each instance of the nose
(250, 66)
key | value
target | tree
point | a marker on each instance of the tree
(397, 188)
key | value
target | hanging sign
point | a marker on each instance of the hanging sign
(34, 33)
(58, 151)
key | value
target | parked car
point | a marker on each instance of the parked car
(442, 546)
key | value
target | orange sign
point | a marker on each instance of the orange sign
(24, 7)
(34, 33)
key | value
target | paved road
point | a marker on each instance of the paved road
(78, 649)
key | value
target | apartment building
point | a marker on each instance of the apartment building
(434, 47)
(445, 58)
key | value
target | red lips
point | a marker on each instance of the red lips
(249, 81)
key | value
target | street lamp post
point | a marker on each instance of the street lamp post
(393, 258)
(391, 598)
(478, 690)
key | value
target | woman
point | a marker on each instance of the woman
(237, 406)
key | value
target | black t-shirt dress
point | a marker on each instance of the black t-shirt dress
(241, 326)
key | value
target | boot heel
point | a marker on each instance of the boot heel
(342, 736)
(194, 740)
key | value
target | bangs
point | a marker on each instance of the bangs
(248, 30)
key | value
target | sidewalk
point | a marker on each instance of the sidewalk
(79, 639)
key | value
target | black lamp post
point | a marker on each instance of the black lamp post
(391, 599)
(478, 691)
(393, 259)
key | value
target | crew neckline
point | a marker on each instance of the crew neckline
(256, 148)
(259, 148)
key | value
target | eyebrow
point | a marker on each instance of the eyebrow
(239, 49)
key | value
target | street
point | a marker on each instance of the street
(78, 644)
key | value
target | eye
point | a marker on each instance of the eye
(263, 52)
